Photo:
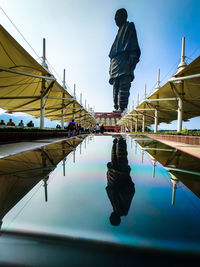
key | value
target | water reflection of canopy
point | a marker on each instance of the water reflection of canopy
(21, 172)
(21, 79)
(165, 99)
(180, 165)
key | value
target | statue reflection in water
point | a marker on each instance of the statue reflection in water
(120, 188)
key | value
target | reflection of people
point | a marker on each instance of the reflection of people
(124, 55)
(120, 188)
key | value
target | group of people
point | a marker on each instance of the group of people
(74, 128)
(99, 129)
(21, 123)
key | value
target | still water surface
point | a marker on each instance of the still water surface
(113, 189)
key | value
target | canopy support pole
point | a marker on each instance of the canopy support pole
(182, 64)
(42, 105)
(62, 115)
(180, 108)
(136, 124)
(180, 114)
(143, 123)
(63, 106)
(132, 125)
(156, 121)
(73, 116)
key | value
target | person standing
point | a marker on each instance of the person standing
(71, 128)
(97, 128)
(102, 129)
(124, 55)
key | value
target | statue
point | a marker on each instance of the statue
(124, 55)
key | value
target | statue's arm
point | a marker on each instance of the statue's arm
(134, 54)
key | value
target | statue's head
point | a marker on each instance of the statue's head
(121, 16)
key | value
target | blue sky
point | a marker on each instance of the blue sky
(79, 34)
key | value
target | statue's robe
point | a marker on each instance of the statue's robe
(124, 53)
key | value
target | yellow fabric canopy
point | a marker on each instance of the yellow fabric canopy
(23, 81)
(165, 99)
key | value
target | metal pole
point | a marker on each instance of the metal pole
(44, 64)
(81, 99)
(158, 81)
(84, 121)
(142, 155)
(80, 117)
(73, 112)
(143, 123)
(63, 110)
(136, 124)
(156, 121)
(42, 102)
(138, 100)
(74, 90)
(182, 64)
(64, 160)
(62, 115)
(145, 91)
(74, 158)
(135, 148)
(180, 114)
(45, 188)
(42, 105)
(174, 181)
(154, 169)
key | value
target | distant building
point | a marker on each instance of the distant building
(109, 120)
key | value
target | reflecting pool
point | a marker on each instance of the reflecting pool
(124, 190)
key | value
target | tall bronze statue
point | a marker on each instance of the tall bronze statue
(124, 55)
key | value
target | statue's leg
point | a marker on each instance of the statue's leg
(124, 91)
(116, 93)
